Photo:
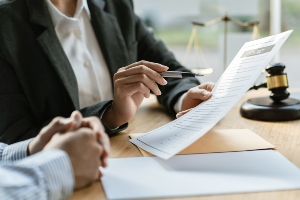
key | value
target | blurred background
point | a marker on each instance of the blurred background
(170, 21)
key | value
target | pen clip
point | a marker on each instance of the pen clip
(171, 74)
(179, 74)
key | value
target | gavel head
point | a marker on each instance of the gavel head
(277, 82)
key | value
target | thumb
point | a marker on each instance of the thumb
(58, 124)
(76, 117)
(183, 112)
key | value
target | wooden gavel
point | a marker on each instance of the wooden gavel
(278, 106)
(277, 82)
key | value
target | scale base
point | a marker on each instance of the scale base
(265, 109)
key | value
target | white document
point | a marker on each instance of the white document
(199, 174)
(240, 75)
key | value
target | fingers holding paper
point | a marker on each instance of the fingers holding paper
(196, 95)
(183, 112)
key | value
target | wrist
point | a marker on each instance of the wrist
(111, 119)
(29, 148)
(35, 145)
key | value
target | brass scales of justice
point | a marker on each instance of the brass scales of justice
(194, 41)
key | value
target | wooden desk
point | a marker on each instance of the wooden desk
(284, 135)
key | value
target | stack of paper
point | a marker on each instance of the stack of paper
(199, 174)
(222, 141)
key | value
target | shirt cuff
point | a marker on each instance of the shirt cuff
(178, 104)
(57, 172)
(112, 131)
(101, 115)
(15, 151)
(2, 147)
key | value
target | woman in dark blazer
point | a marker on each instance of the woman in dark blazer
(37, 82)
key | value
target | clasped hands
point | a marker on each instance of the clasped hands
(83, 139)
(133, 83)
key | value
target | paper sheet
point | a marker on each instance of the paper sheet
(254, 56)
(222, 141)
(199, 174)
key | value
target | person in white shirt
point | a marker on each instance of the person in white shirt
(95, 56)
(71, 20)
(66, 155)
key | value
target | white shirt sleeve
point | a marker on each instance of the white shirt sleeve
(46, 175)
(178, 104)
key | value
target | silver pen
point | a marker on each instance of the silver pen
(178, 74)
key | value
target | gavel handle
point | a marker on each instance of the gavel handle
(256, 87)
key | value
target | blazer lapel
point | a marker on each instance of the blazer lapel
(49, 42)
(109, 36)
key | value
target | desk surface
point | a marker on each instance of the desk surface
(284, 135)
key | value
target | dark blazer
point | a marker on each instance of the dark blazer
(37, 82)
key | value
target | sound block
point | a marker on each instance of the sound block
(265, 109)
